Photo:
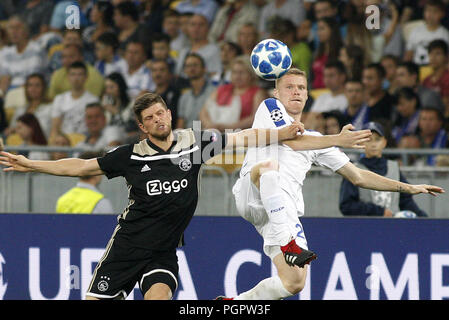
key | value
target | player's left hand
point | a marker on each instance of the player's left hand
(425, 188)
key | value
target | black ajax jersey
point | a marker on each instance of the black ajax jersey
(163, 186)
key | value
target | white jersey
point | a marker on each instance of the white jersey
(293, 165)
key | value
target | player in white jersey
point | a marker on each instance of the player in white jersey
(268, 192)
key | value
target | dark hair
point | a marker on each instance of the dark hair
(41, 78)
(436, 3)
(337, 65)
(335, 41)
(411, 67)
(438, 111)
(128, 8)
(195, 55)
(408, 94)
(438, 44)
(109, 39)
(357, 54)
(118, 79)
(37, 135)
(379, 69)
(170, 13)
(94, 105)
(107, 10)
(160, 37)
(145, 101)
(234, 46)
(78, 65)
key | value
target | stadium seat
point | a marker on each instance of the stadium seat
(13, 140)
(315, 93)
(76, 138)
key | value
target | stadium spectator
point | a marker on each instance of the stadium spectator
(357, 112)
(152, 14)
(59, 81)
(431, 131)
(288, 9)
(379, 100)
(36, 102)
(198, 30)
(390, 63)
(411, 142)
(85, 197)
(117, 103)
(334, 80)
(193, 99)
(100, 135)
(61, 140)
(171, 27)
(160, 46)
(30, 131)
(134, 70)
(407, 75)
(107, 58)
(126, 20)
(323, 9)
(334, 121)
(407, 113)
(205, 8)
(355, 201)
(163, 79)
(228, 52)
(355, 34)
(387, 39)
(101, 17)
(247, 38)
(70, 37)
(3, 120)
(69, 107)
(37, 15)
(353, 57)
(438, 80)
(230, 17)
(327, 51)
(422, 35)
(285, 31)
(233, 105)
(22, 58)
(335, 99)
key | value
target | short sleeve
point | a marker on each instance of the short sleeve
(115, 162)
(332, 158)
(271, 114)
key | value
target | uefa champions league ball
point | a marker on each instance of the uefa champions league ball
(405, 214)
(270, 59)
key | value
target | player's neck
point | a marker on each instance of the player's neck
(164, 144)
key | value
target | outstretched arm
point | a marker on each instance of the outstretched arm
(261, 137)
(370, 180)
(345, 139)
(72, 167)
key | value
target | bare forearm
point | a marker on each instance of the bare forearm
(371, 180)
(256, 137)
(71, 167)
(306, 142)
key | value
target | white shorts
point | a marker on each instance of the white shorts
(250, 207)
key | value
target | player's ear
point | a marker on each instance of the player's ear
(141, 126)
(276, 93)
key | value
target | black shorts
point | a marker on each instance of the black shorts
(122, 266)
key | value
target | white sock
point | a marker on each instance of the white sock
(274, 203)
(268, 289)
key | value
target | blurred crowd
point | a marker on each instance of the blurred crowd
(70, 70)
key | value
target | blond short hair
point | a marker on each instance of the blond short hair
(292, 71)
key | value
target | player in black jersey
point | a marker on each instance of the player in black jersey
(162, 174)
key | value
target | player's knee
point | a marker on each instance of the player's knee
(263, 167)
(295, 286)
(158, 292)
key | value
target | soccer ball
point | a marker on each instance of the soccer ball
(270, 59)
(405, 214)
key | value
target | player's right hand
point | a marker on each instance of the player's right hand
(347, 138)
(291, 131)
(14, 162)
